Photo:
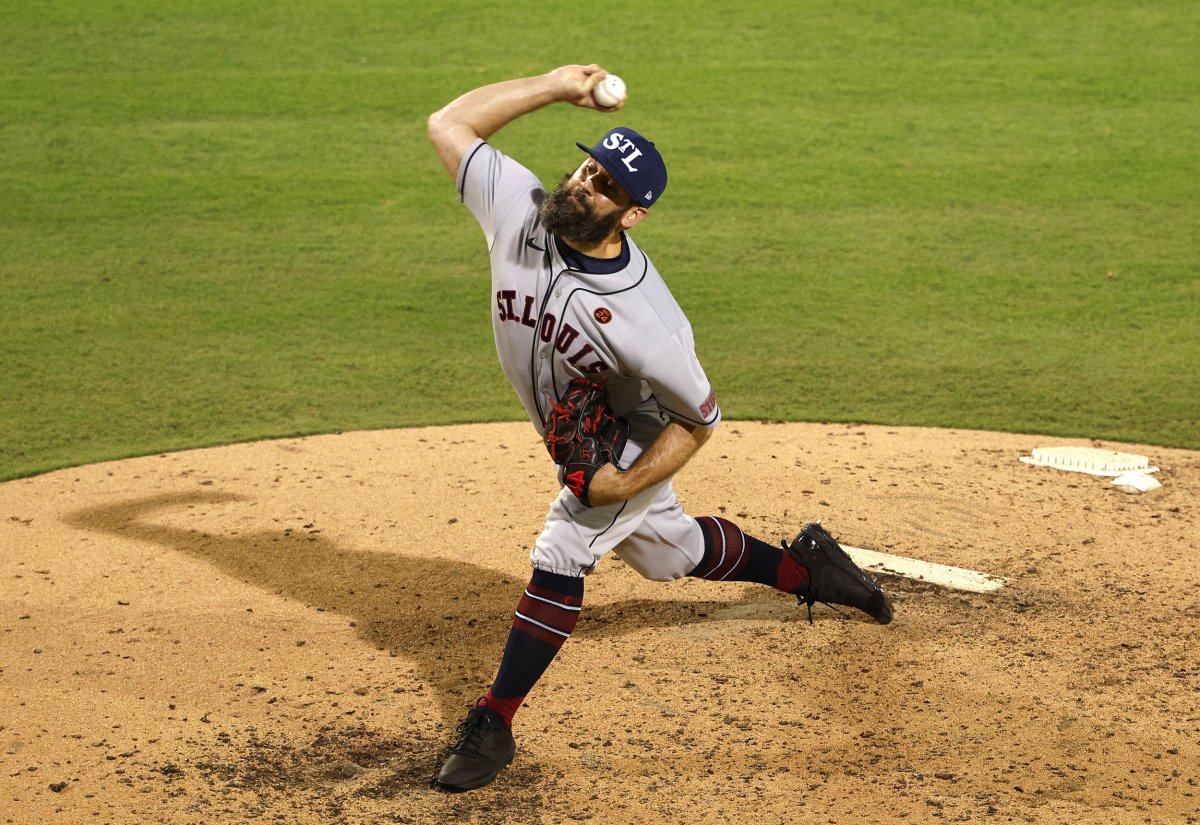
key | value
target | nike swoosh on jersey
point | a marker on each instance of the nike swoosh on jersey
(529, 242)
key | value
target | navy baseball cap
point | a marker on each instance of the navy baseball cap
(633, 162)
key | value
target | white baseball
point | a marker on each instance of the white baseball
(609, 92)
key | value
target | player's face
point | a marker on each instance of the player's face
(591, 181)
(586, 206)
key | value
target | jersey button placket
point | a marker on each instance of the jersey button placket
(545, 377)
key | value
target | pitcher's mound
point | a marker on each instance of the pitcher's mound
(289, 631)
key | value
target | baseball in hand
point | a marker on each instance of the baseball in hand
(610, 91)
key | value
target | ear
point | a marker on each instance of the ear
(633, 216)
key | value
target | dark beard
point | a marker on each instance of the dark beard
(562, 216)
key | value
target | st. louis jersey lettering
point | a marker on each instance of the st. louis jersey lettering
(565, 341)
(505, 299)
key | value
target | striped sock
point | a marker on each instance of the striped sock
(725, 550)
(545, 618)
(731, 555)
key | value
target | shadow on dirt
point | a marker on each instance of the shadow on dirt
(451, 618)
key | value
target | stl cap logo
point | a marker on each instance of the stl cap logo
(603, 315)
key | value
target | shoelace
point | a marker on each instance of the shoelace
(470, 729)
(809, 600)
(812, 599)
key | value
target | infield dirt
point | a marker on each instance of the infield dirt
(289, 631)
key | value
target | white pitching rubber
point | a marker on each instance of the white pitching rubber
(942, 575)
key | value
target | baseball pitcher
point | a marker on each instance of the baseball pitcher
(604, 362)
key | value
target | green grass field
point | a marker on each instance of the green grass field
(222, 221)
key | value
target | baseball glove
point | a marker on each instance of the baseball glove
(583, 434)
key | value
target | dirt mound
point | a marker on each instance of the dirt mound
(290, 630)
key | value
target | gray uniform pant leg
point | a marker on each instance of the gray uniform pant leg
(650, 533)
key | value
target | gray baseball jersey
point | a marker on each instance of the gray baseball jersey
(559, 315)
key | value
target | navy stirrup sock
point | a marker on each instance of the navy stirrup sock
(545, 618)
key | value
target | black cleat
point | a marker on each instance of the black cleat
(834, 578)
(485, 746)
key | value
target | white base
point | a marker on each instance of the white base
(1089, 460)
(955, 578)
